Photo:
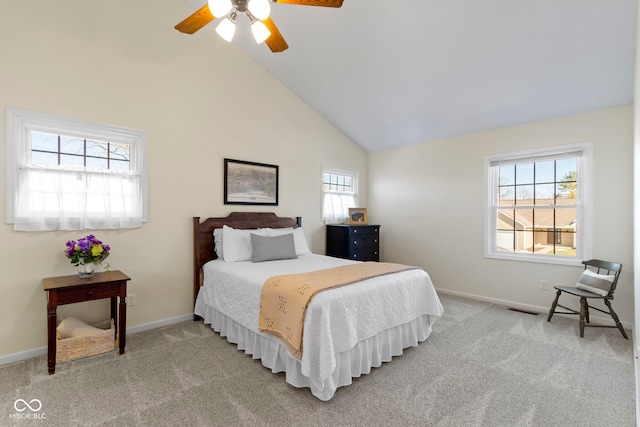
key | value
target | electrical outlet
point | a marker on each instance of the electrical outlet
(543, 285)
(131, 300)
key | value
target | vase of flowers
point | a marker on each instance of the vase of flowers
(86, 253)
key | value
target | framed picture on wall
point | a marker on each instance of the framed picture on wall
(358, 216)
(249, 183)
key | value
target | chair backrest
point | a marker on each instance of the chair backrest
(605, 267)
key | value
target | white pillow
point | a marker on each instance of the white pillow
(298, 237)
(597, 283)
(217, 242)
(300, 241)
(236, 244)
(74, 327)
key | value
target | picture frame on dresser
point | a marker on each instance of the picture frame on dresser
(250, 183)
(357, 216)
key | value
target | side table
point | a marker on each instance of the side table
(72, 289)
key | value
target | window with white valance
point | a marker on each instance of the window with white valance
(68, 174)
(339, 194)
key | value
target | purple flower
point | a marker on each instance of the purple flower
(87, 249)
(84, 244)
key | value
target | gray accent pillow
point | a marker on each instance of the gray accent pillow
(272, 248)
(597, 283)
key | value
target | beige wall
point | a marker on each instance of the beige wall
(200, 99)
(429, 200)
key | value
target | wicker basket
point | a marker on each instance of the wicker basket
(100, 342)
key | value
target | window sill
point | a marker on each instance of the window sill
(541, 259)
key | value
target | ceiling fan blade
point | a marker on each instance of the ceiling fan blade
(197, 20)
(275, 41)
(324, 3)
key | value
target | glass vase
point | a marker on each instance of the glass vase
(85, 271)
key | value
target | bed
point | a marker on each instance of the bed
(347, 330)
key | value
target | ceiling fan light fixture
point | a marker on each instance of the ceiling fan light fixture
(227, 28)
(260, 31)
(259, 8)
(220, 7)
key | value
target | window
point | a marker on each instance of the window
(67, 174)
(538, 205)
(339, 194)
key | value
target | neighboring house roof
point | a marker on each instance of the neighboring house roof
(564, 218)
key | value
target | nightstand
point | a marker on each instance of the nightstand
(71, 289)
(357, 242)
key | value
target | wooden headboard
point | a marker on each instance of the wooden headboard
(203, 249)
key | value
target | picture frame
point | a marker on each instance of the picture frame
(358, 216)
(250, 183)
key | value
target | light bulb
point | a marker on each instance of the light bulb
(260, 31)
(227, 28)
(259, 8)
(219, 7)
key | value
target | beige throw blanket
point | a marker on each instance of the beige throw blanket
(285, 298)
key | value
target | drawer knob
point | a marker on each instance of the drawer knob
(90, 293)
(375, 240)
(355, 242)
(355, 231)
(375, 253)
(355, 255)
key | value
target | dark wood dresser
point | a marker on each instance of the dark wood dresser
(357, 242)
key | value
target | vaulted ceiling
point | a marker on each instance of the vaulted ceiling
(390, 73)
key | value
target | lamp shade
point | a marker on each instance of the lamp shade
(219, 7)
(226, 29)
(260, 31)
(259, 8)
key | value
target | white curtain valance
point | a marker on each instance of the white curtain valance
(90, 200)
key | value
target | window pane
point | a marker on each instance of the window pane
(97, 149)
(44, 159)
(119, 165)
(505, 230)
(524, 194)
(504, 240)
(44, 142)
(507, 196)
(71, 160)
(544, 219)
(507, 175)
(566, 243)
(71, 145)
(505, 219)
(544, 194)
(567, 190)
(566, 217)
(524, 173)
(545, 172)
(523, 219)
(566, 169)
(96, 163)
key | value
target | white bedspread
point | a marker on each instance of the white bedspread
(336, 319)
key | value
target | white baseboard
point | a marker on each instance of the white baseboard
(528, 307)
(39, 351)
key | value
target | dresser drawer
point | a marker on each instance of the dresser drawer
(87, 293)
(361, 230)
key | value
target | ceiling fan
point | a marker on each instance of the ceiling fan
(257, 11)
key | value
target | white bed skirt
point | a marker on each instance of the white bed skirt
(366, 354)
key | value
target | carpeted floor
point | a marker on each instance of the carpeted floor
(483, 365)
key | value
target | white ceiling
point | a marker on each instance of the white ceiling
(390, 73)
